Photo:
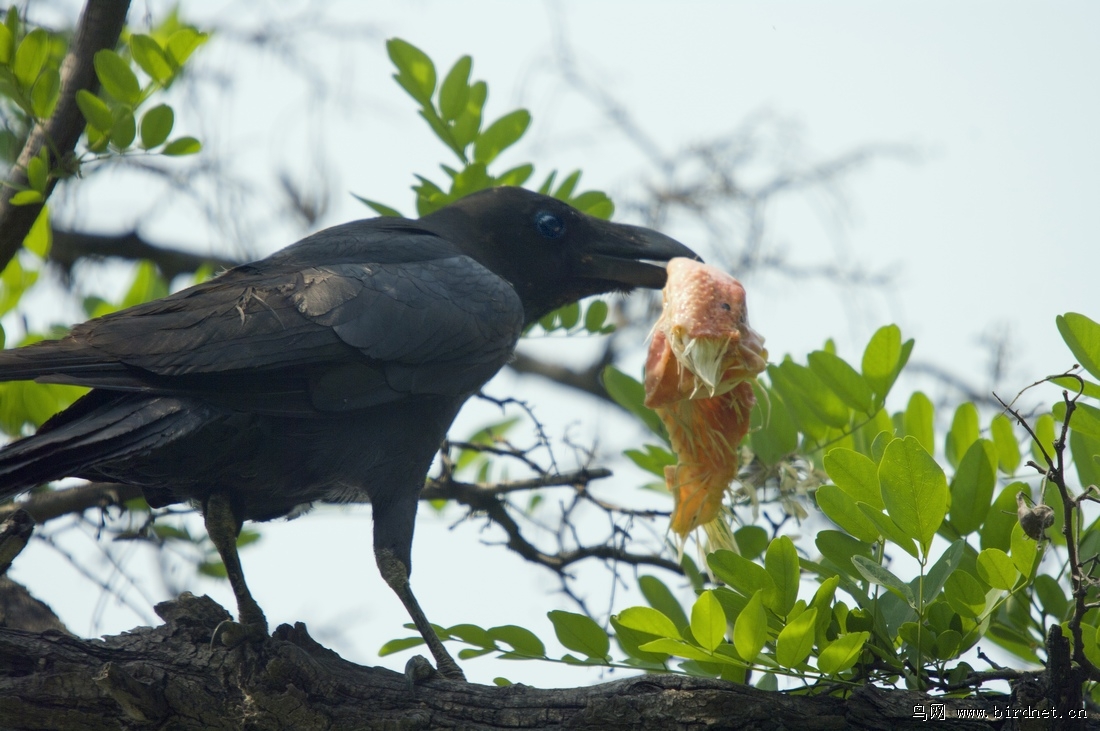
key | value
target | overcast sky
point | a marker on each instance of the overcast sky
(985, 223)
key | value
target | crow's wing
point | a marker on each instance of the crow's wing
(343, 335)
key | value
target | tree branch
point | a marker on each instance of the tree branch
(70, 246)
(99, 27)
(586, 380)
(171, 677)
(49, 504)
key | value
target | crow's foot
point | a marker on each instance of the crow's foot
(233, 634)
(419, 670)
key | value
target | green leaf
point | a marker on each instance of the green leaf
(680, 648)
(840, 507)
(796, 640)
(972, 487)
(124, 130)
(501, 135)
(772, 433)
(7, 45)
(653, 460)
(855, 474)
(45, 93)
(116, 77)
(631, 640)
(805, 418)
(750, 629)
(183, 43)
(964, 432)
(1004, 440)
(752, 540)
(380, 208)
(660, 598)
(746, 576)
(569, 315)
(40, 237)
(708, 621)
(521, 640)
(996, 569)
(884, 358)
(1073, 385)
(839, 548)
(1052, 596)
(996, 532)
(30, 57)
(965, 595)
(37, 174)
(842, 653)
(415, 71)
(468, 124)
(516, 176)
(842, 379)
(213, 569)
(565, 190)
(454, 92)
(883, 577)
(945, 565)
(825, 405)
(595, 203)
(156, 125)
(823, 602)
(151, 58)
(148, 285)
(947, 644)
(1019, 644)
(182, 146)
(471, 634)
(917, 636)
(645, 619)
(917, 420)
(95, 110)
(888, 529)
(1084, 449)
(26, 198)
(595, 316)
(630, 394)
(1085, 418)
(1023, 550)
(1044, 430)
(781, 563)
(1082, 336)
(914, 489)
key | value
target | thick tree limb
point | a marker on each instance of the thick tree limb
(170, 677)
(99, 27)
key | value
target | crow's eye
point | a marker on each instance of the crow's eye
(549, 225)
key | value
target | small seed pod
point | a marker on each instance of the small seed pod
(1034, 520)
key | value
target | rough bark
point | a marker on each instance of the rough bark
(169, 677)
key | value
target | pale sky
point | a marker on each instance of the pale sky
(985, 228)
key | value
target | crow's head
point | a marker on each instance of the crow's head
(549, 251)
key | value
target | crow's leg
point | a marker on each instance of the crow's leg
(396, 574)
(223, 527)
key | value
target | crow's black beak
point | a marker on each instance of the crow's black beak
(621, 253)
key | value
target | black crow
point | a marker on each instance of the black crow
(329, 371)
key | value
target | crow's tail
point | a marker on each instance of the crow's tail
(102, 428)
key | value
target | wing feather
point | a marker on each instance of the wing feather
(345, 334)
